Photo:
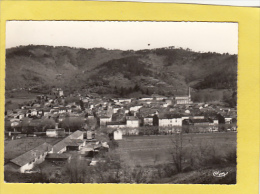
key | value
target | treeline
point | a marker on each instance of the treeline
(70, 124)
(224, 78)
(128, 66)
(125, 91)
(227, 96)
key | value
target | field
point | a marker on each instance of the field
(13, 99)
(154, 150)
(14, 148)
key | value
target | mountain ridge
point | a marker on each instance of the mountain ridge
(165, 70)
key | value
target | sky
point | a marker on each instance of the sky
(197, 36)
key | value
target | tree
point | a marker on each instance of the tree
(47, 124)
(81, 103)
(177, 152)
(92, 123)
(72, 123)
(155, 120)
(136, 88)
(147, 92)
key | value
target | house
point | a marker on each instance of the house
(34, 112)
(115, 124)
(148, 111)
(158, 97)
(199, 121)
(104, 120)
(148, 121)
(61, 146)
(29, 159)
(135, 108)
(168, 102)
(183, 100)
(132, 121)
(201, 126)
(214, 121)
(89, 135)
(116, 108)
(76, 135)
(228, 120)
(91, 116)
(197, 117)
(146, 99)
(57, 91)
(124, 100)
(117, 134)
(170, 121)
(14, 122)
(59, 132)
(62, 110)
(75, 144)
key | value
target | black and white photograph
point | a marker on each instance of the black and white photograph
(136, 102)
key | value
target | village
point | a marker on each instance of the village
(74, 126)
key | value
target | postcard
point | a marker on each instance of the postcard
(129, 97)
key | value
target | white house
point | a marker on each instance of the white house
(146, 99)
(14, 122)
(104, 120)
(183, 100)
(115, 125)
(135, 108)
(148, 121)
(29, 159)
(58, 132)
(169, 122)
(228, 120)
(118, 134)
(116, 108)
(132, 121)
(34, 112)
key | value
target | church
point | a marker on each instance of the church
(183, 99)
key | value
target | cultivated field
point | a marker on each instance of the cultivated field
(13, 99)
(153, 150)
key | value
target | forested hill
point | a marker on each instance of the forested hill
(164, 71)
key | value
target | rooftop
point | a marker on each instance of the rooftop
(31, 155)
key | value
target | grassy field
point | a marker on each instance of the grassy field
(13, 99)
(154, 150)
(14, 148)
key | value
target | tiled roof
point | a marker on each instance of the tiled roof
(132, 118)
(31, 155)
(115, 123)
(74, 142)
(199, 120)
(75, 135)
(63, 143)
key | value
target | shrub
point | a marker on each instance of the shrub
(231, 157)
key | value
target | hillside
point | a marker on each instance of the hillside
(165, 71)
